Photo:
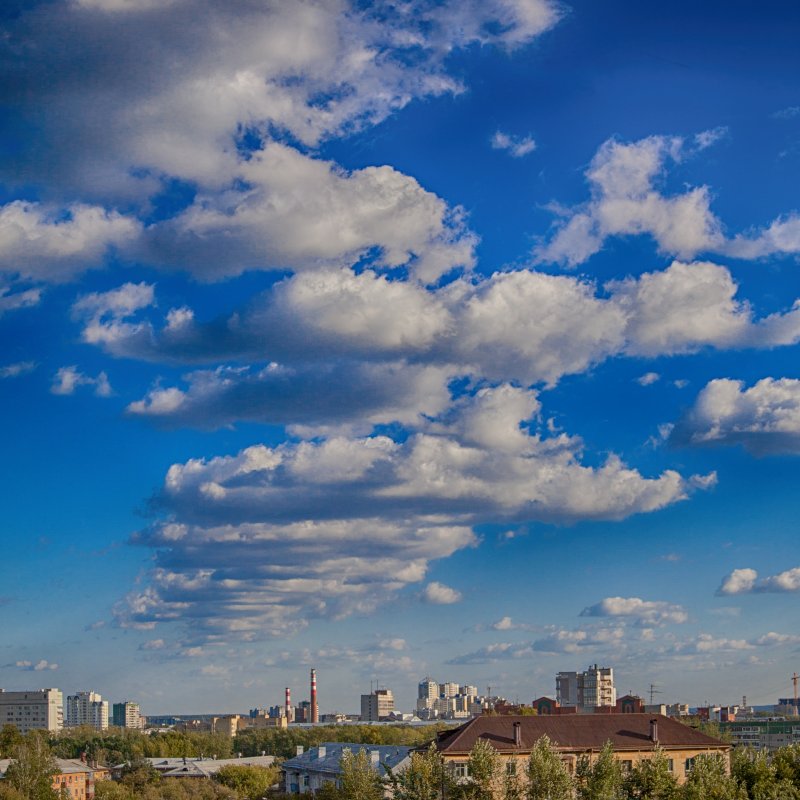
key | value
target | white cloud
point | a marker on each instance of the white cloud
(773, 639)
(23, 299)
(40, 666)
(176, 83)
(67, 380)
(517, 146)
(439, 594)
(51, 244)
(656, 612)
(15, 370)
(262, 541)
(707, 643)
(503, 624)
(626, 200)
(744, 581)
(764, 418)
(648, 379)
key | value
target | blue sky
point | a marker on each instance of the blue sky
(398, 339)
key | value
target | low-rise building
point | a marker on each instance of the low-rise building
(39, 709)
(309, 771)
(634, 737)
(199, 767)
(74, 778)
(762, 734)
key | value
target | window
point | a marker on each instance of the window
(627, 766)
(511, 768)
(688, 765)
(671, 765)
(460, 769)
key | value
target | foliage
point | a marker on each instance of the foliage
(249, 782)
(484, 772)
(138, 774)
(359, 779)
(547, 776)
(425, 778)
(31, 773)
(651, 779)
(709, 780)
(602, 778)
(10, 740)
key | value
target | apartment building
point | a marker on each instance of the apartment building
(590, 689)
(39, 709)
(377, 706)
(763, 734)
(87, 708)
(127, 715)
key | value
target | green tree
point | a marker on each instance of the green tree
(651, 779)
(425, 778)
(248, 781)
(111, 790)
(10, 740)
(786, 762)
(32, 770)
(547, 777)
(709, 780)
(138, 774)
(359, 779)
(602, 778)
(484, 772)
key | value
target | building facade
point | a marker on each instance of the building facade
(377, 706)
(763, 734)
(634, 738)
(127, 715)
(40, 709)
(308, 772)
(590, 689)
(86, 708)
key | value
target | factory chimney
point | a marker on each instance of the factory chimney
(289, 714)
(314, 709)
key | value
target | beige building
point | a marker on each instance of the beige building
(39, 709)
(576, 736)
(589, 689)
(377, 706)
(86, 708)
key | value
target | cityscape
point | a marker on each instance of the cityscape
(399, 399)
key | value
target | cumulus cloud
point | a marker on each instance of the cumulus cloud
(260, 542)
(439, 594)
(517, 146)
(179, 83)
(11, 301)
(651, 612)
(17, 369)
(745, 581)
(51, 244)
(68, 379)
(764, 418)
(627, 199)
(648, 379)
(304, 213)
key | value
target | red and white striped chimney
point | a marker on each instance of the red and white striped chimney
(314, 711)
(288, 704)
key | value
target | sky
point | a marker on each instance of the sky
(398, 339)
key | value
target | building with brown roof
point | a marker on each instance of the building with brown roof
(634, 737)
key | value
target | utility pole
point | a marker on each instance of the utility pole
(794, 681)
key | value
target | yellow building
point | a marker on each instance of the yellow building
(634, 737)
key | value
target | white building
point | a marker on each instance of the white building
(589, 689)
(40, 709)
(87, 708)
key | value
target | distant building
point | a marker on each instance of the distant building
(39, 709)
(307, 772)
(634, 737)
(763, 734)
(377, 706)
(589, 689)
(74, 780)
(86, 708)
(127, 715)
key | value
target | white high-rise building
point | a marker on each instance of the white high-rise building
(87, 708)
(589, 689)
(40, 709)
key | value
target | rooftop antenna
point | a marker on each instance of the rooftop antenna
(794, 681)
(654, 690)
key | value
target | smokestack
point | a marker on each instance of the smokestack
(288, 704)
(517, 734)
(654, 731)
(314, 710)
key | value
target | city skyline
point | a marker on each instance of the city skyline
(446, 338)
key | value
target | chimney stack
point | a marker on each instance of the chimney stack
(517, 734)
(288, 704)
(314, 710)
(654, 731)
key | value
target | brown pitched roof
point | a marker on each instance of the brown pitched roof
(576, 732)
